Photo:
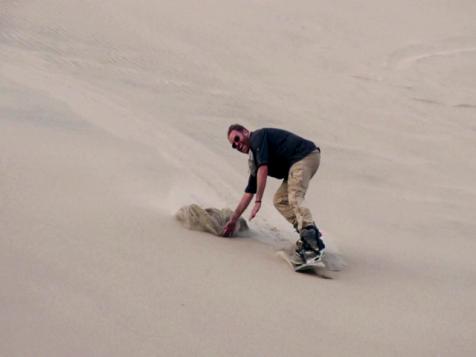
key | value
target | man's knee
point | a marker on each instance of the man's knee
(280, 201)
(296, 198)
(281, 206)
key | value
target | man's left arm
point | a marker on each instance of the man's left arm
(262, 176)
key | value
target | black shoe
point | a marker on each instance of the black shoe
(304, 254)
(311, 237)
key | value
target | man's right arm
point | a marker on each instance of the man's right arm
(244, 203)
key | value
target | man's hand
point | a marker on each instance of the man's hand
(255, 210)
(229, 228)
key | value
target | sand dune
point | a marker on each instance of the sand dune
(113, 115)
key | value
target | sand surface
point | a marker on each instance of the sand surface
(113, 115)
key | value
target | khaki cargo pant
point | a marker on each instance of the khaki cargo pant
(289, 198)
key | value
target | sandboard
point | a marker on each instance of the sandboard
(318, 268)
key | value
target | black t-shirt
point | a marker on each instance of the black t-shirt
(279, 149)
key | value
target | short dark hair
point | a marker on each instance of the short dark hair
(237, 127)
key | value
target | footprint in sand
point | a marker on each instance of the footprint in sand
(408, 56)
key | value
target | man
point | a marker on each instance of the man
(281, 154)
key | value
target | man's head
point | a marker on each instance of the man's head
(239, 138)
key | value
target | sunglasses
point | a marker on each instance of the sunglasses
(236, 140)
